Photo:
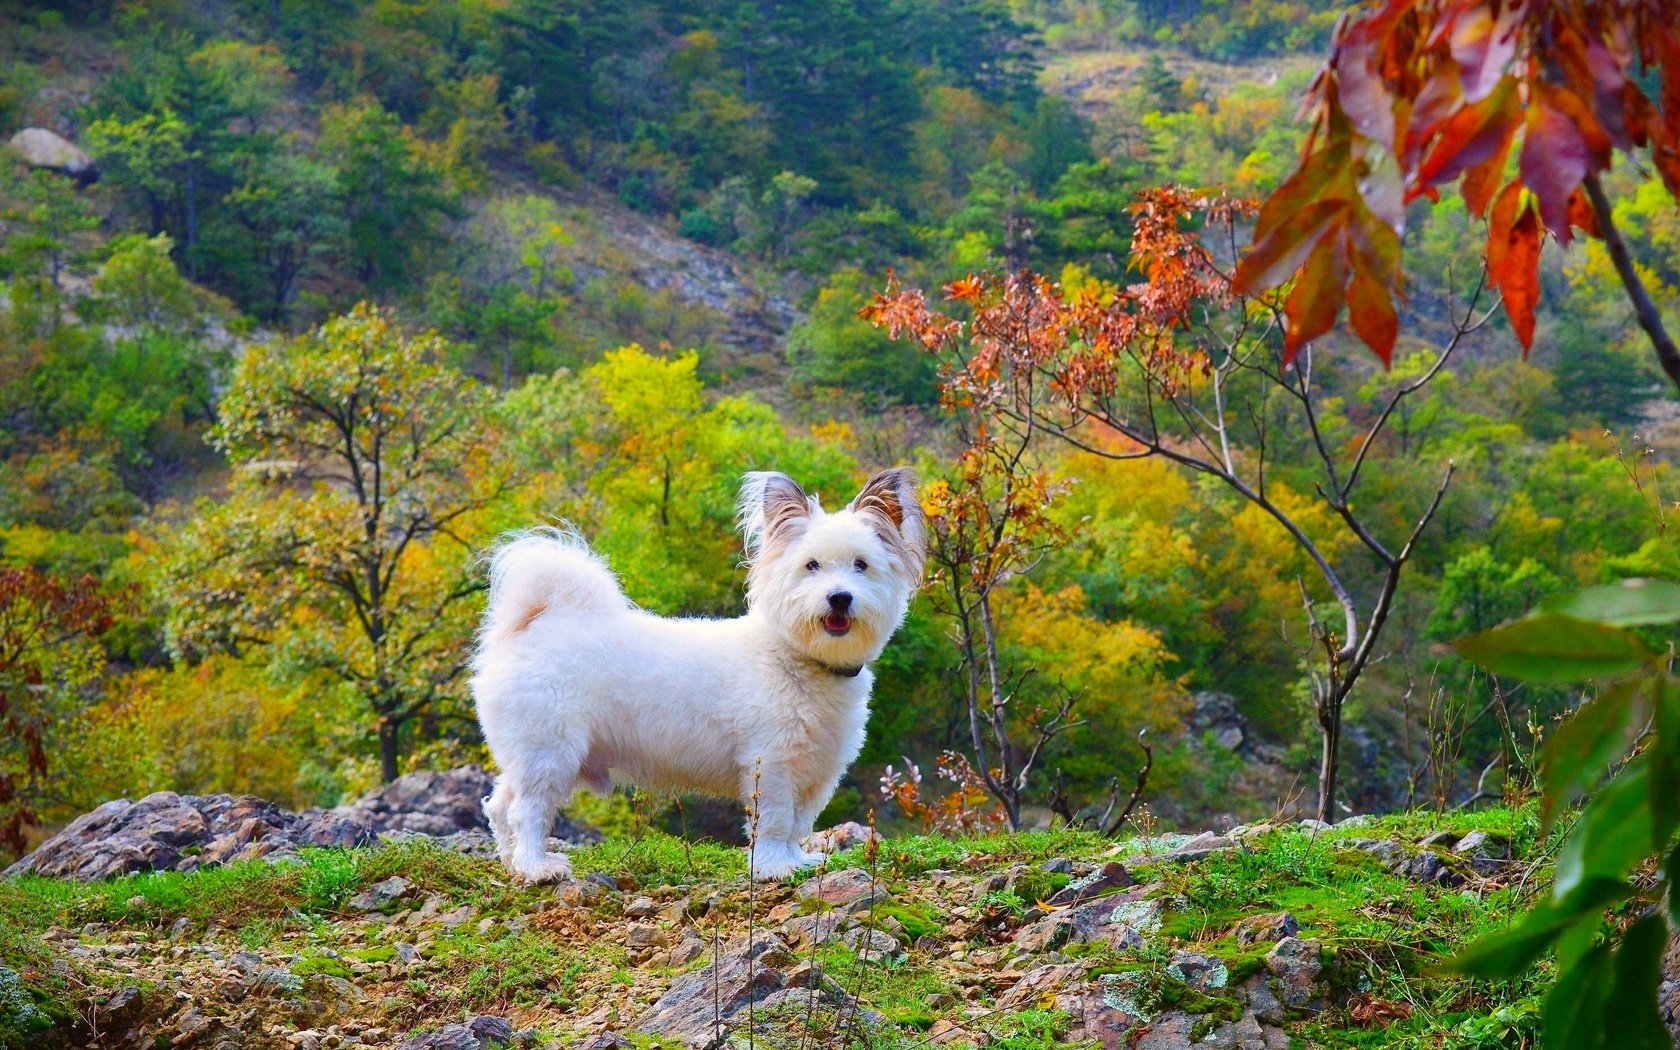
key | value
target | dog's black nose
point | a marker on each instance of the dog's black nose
(840, 602)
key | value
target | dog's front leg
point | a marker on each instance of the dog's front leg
(773, 824)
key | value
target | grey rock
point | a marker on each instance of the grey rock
(1262, 1000)
(841, 836)
(1296, 963)
(1273, 926)
(1198, 848)
(1111, 876)
(608, 1041)
(700, 1008)
(481, 1033)
(1040, 982)
(380, 894)
(1444, 839)
(121, 1010)
(1426, 867)
(1058, 866)
(851, 889)
(44, 149)
(819, 928)
(1119, 920)
(1382, 849)
(1204, 973)
(169, 832)
(876, 944)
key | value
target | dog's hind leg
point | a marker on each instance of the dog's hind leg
(544, 786)
(496, 811)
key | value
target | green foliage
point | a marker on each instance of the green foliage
(1604, 985)
(835, 347)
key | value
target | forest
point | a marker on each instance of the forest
(532, 260)
(304, 303)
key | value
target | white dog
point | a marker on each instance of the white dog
(574, 683)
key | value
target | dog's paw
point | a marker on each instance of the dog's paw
(781, 863)
(554, 867)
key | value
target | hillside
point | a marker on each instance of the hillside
(1264, 936)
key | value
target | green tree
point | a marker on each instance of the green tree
(385, 185)
(361, 464)
(835, 347)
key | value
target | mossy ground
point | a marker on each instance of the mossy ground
(560, 966)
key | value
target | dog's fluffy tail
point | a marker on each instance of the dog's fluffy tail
(539, 569)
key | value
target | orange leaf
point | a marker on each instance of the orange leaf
(1317, 296)
(1313, 181)
(1581, 214)
(1500, 220)
(1518, 275)
(1273, 259)
(1371, 313)
(1470, 136)
(1482, 180)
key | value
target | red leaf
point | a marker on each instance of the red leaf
(1371, 312)
(1317, 296)
(1470, 136)
(1500, 220)
(1481, 181)
(1554, 161)
(1518, 272)
(1273, 259)
(1312, 182)
(1483, 44)
(1581, 214)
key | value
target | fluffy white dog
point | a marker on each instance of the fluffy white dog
(574, 683)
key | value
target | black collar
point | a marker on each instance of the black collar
(838, 672)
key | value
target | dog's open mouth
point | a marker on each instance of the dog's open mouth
(836, 625)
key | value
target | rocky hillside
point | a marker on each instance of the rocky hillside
(1265, 936)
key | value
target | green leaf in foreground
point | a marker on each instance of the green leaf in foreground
(1626, 603)
(1613, 834)
(1575, 1007)
(1553, 649)
(1512, 951)
(1578, 753)
(1631, 1015)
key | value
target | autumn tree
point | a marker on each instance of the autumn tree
(346, 544)
(1418, 94)
(1178, 366)
(48, 653)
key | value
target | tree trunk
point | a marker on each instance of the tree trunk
(1330, 725)
(388, 749)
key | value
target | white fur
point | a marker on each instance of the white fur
(574, 683)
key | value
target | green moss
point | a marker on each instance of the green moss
(313, 964)
(918, 920)
(382, 953)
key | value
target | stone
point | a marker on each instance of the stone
(1106, 879)
(818, 928)
(686, 951)
(1426, 867)
(839, 837)
(480, 1033)
(1204, 973)
(1272, 926)
(1481, 844)
(700, 1008)
(1112, 1009)
(1198, 848)
(851, 889)
(1041, 987)
(641, 935)
(876, 944)
(44, 149)
(1444, 839)
(1312, 824)
(641, 908)
(607, 1041)
(1057, 866)
(1296, 963)
(381, 893)
(1382, 849)
(1262, 1000)
(121, 1010)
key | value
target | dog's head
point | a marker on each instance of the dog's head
(836, 585)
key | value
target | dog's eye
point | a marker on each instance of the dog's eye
(860, 565)
(812, 565)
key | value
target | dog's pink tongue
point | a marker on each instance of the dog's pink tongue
(837, 624)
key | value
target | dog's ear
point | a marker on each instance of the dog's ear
(890, 500)
(771, 508)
